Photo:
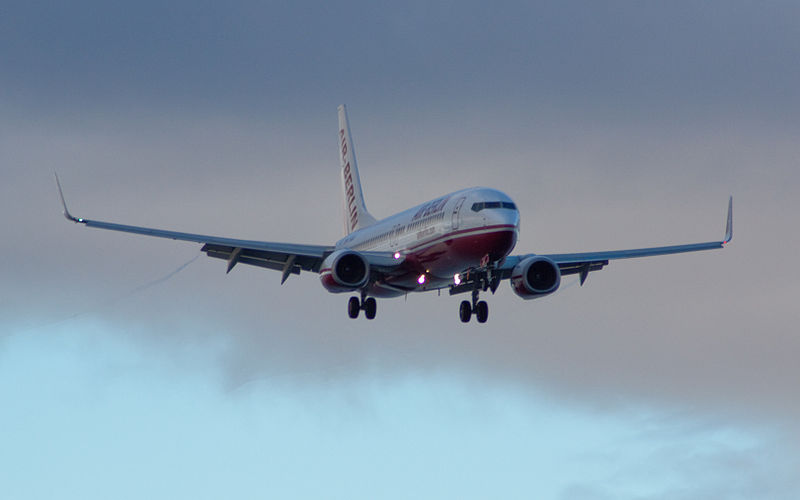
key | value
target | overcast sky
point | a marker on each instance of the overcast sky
(611, 124)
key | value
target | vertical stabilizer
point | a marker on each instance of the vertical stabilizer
(355, 212)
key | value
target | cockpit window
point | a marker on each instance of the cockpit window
(480, 205)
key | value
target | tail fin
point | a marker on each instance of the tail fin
(356, 215)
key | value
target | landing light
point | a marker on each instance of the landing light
(457, 279)
(421, 279)
(397, 255)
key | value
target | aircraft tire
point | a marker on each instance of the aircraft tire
(465, 311)
(353, 306)
(370, 307)
(482, 311)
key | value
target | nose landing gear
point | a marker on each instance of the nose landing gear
(479, 307)
(367, 304)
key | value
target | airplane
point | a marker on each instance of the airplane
(461, 241)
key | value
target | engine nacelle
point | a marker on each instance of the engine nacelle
(344, 271)
(535, 277)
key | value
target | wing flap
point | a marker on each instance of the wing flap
(581, 267)
(267, 259)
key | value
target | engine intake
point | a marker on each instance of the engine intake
(344, 271)
(535, 277)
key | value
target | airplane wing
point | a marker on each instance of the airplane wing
(289, 258)
(583, 263)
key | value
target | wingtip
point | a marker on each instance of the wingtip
(65, 210)
(729, 222)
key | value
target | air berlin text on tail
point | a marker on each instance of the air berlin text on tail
(349, 190)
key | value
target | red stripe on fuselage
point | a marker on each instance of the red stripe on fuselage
(459, 250)
(442, 257)
(464, 232)
(448, 254)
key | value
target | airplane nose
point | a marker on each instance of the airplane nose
(506, 222)
(504, 217)
(513, 217)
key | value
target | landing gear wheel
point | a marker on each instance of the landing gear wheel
(482, 311)
(370, 307)
(465, 311)
(353, 306)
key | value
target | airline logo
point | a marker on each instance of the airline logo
(349, 189)
(431, 208)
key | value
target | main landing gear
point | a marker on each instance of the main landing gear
(368, 304)
(480, 308)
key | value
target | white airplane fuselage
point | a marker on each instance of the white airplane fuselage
(440, 238)
(460, 242)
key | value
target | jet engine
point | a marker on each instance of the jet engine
(344, 271)
(535, 277)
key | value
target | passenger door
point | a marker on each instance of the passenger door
(456, 210)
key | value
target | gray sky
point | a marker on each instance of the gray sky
(612, 125)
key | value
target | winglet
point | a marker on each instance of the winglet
(729, 223)
(64, 203)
